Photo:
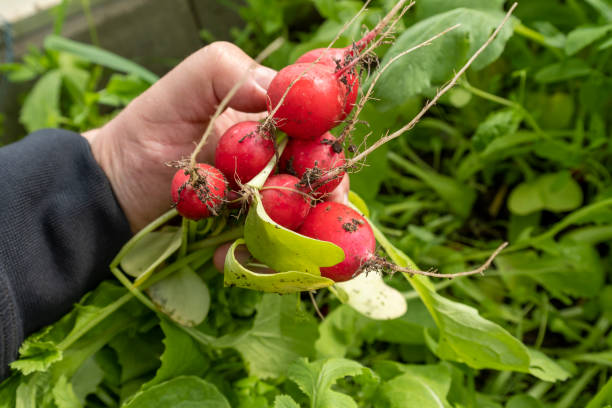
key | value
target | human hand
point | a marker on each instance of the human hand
(166, 122)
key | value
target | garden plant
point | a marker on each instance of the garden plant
(471, 265)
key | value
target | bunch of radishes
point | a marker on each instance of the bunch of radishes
(305, 100)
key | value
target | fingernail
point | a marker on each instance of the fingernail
(263, 76)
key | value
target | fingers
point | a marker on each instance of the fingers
(192, 90)
(219, 256)
(340, 193)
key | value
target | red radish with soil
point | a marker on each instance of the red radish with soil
(336, 59)
(313, 105)
(284, 202)
(243, 151)
(345, 227)
(200, 193)
(310, 160)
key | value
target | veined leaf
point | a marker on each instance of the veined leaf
(428, 67)
(181, 356)
(285, 401)
(316, 379)
(279, 336)
(419, 386)
(186, 391)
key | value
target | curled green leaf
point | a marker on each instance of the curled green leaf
(284, 250)
(235, 274)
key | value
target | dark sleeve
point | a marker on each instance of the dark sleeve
(60, 226)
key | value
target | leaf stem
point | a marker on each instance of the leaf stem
(226, 236)
(536, 37)
(151, 227)
(506, 102)
(567, 401)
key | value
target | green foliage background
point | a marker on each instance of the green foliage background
(520, 151)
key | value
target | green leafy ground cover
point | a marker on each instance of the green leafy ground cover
(520, 151)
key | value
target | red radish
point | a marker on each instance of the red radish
(337, 58)
(243, 151)
(322, 153)
(345, 227)
(283, 201)
(200, 198)
(313, 105)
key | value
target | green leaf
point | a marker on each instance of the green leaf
(467, 337)
(16, 72)
(89, 325)
(37, 353)
(497, 124)
(285, 401)
(562, 71)
(458, 196)
(557, 192)
(282, 249)
(181, 356)
(235, 274)
(344, 330)
(138, 354)
(34, 391)
(420, 386)
(183, 296)
(544, 368)
(583, 36)
(603, 396)
(317, 378)
(87, 379)
(279, 336)
(150, 251)
(63, 395)
(8, 389)
(41, 108)
(99, 56)
(428, 8)
(523, 401)
(183, 392)
(572, 269)
(429, 67)
(121, 90)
